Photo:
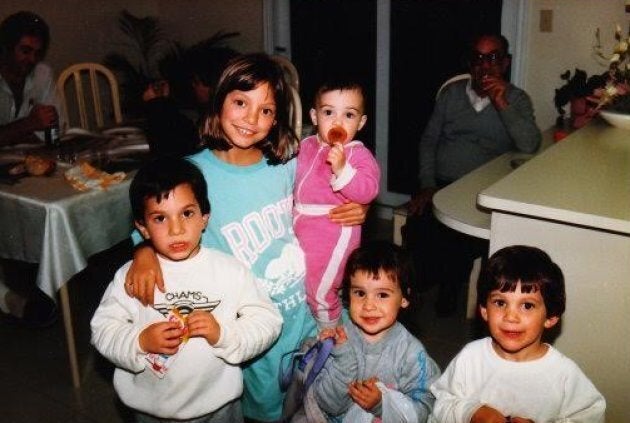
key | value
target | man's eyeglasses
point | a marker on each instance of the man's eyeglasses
(491, 58)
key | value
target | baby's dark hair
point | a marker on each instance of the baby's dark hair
(530, 266)
(340, 81)
(377, 256)
(245, 73)
(22, 24)
(159, 177)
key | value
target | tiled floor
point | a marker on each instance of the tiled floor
(35, 383)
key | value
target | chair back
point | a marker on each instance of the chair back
(89, 103)
(292, 77)
(450, 81)
(289, 69)
(295, 112)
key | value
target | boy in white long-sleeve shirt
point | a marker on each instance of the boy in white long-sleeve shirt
(180, 358)
(512, 376)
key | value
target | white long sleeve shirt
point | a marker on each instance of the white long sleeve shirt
(549, 389)
(39, 88)
(202, 378)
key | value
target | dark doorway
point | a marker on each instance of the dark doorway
(335, 36)
(428, 43)
(428, 39)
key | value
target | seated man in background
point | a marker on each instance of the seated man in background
(169, 130)
(474, 121)
(27, 89)
(27, 105)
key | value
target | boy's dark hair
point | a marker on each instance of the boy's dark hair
(377, 256)
(341, 81)
(530, 266)
(159, 177)
(19, 25)
(245, 73)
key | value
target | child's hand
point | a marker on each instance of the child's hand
(336, 158)
(143, 275)
(365, 393)
(487, 414)
(161, 338)
(338, 334)
(327, 333)
(203, 324)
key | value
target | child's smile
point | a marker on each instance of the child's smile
(375, 303)
(516, 321)
(246, 119)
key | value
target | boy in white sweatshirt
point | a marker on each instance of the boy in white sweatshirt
(180, 358)
(512, 375)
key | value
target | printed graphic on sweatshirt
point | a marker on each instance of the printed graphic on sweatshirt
(264, 241)
(284, 278)
(186, 302)
(250, 237)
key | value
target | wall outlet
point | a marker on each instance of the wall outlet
(546, 20)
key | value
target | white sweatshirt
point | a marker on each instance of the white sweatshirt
(549, 389)
(202, 377)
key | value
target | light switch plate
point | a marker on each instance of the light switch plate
(546, 20)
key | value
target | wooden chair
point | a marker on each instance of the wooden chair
(450, 81)
(289, 70)
(295, 108)
(89, 104)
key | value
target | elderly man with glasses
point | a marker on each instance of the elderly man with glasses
(474, 121)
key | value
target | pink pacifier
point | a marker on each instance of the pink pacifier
(337, 135)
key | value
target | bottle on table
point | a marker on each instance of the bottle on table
(51, 135)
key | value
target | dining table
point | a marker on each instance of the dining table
(47, 221)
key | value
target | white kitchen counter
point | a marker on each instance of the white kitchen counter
(573, 201)
(583, 181)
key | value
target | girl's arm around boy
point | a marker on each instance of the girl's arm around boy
(116, 326)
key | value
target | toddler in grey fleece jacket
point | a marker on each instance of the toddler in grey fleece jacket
(377, 370)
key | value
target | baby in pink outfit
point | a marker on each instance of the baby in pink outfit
(332, 169)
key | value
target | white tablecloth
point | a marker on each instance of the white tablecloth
(43, 220)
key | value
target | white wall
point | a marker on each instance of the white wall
(86, 30)
(568, 46)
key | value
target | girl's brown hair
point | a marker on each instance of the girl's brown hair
(245, 73)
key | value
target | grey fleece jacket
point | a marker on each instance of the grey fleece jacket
(399, 361)
(458, 139)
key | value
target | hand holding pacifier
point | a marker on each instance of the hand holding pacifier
(336, 157)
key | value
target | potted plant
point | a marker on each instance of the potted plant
(575, 92)
(149, 56)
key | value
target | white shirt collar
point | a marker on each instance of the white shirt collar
(478, 103)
